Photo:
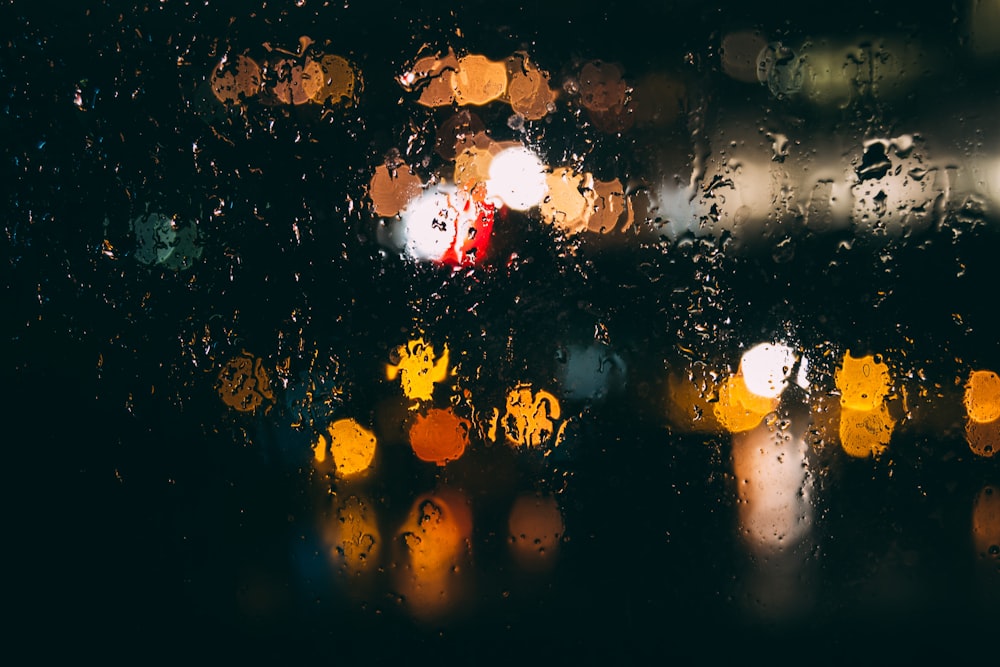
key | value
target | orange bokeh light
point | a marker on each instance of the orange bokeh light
(439, 436)
(982, 396)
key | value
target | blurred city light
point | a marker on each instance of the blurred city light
(419, 369)
(349, 446)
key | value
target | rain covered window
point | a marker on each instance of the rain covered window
(551, 330)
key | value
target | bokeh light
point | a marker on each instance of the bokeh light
(419, 368)
(236, 80)
(983, 439)
(166, 241)
(517, 178)
(766, 369)
(982, 397)
(863, 382)
(439, 436)
(570, 200)
(865, 433)
(772, 478)
(244, 385)
(739, 409)
(866, 426)
(531, 416)
(352, 536)
(348, 448)
(392, 187)
(529, 91)
(433, 547)
(479, 80)
(339, 81)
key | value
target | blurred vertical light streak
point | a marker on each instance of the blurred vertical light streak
(775, 514)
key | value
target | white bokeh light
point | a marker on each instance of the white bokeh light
(766, 368)
(517, 178)
(429, 224)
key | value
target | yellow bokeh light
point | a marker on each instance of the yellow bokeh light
(982, 397)
(865, 433)
(863, 382)
(353, 537)
(419, 369)
(244, 385)
(530, 417)
(350, 446)
(739, 409)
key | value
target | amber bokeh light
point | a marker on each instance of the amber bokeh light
(866, 426)
(434, 545)
(349, 446)
(982, 397)
(739, 409)
(352, 536)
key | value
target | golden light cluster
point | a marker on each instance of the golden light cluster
(287, 78)
(439, 434)
(701, 400)
(347, 448)
(865, 423)
(475, 80)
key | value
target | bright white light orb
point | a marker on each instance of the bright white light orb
(517, 178)
(429, 224)
(766, 368)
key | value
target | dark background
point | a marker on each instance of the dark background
(143, 515)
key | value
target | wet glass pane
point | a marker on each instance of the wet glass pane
(339, 330)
